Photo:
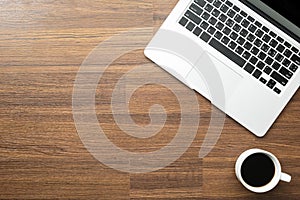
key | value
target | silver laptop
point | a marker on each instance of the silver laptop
(251, 47)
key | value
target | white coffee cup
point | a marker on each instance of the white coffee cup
(278, 174)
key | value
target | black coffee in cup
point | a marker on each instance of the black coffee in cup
(258, 170)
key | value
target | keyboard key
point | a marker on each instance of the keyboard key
(295, 50)
(280, 79)
(258, 24)
(231, 13)
(245, 23)
(225, 40)
(212, 21)
(276, 65)
(204, 25)
(210, 1)
(243, 14)
(266, 38)
(251, 37)
(215, 13)
(229, 22)
(272, 52)
(257, 74)
(197, 31)
(254, 50)
(196, 9)
(190, 26)
(228, 3)
(286, 62)
(227, 52)
(258, 42)
(252, 28)
(293, 67)
(200, 2)
(208, 8)
(193, 17)
(265, 29)
(273, 34)
(278, 91)
(205, 15)
(220, 26)
(224, 8)
(211, 30)
(205, 37)
(251, 19)
(238, 18)
(265, 48)
(232, 45)
(296, 59)
(239, 50)
(271, 84)
(267, 70)
(287, 53)
(223, 17)
(264, 81)
(246, 55)
(233, 36)
(217, 3)
(280, 48)
(288, 45)
(279, 57)
(253, 60)
(280, 39)
(285, 72)
(259, 33)
(241, 40)
(273, 43)
(218, 35)
(237, 27)
(260, 65)
(237, 9)
(226, 30)
(183, 21)
(249, 68)
(262, 55)
(244, 32)
(269, 60)
(248, 46)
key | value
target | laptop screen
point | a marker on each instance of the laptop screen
(283, 13)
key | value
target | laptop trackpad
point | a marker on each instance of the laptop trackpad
(213, 79)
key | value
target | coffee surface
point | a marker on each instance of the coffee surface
(258, 170)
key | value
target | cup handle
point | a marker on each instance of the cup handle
(285, 177)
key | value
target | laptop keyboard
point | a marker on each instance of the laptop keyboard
(254, 47)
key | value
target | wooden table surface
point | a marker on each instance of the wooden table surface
(42, 46)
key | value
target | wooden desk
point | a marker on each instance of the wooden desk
(42, 45)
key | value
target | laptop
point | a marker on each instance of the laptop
(242, 55)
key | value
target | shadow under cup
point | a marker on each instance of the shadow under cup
(259, 171)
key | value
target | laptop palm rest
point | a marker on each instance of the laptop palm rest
(173, 52)
(213, 79)
(188, 62)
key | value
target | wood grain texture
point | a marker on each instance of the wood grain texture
(42, 45)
